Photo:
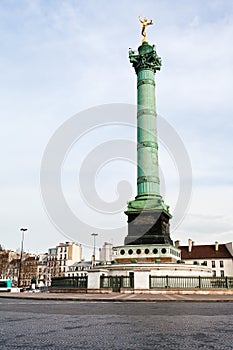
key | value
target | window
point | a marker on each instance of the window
(222, 273)
(221, 263)
(213, 263)
(214, 273)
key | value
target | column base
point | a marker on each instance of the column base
(148, 227)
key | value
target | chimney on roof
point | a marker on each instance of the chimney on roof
(177, 244)
(190, 244)
(216, 246)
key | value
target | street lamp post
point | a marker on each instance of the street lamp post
(94, 236)
(23, 230)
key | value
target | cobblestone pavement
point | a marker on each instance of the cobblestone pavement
(54, 324)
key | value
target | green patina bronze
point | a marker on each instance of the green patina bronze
(146, 62)
(148, 216)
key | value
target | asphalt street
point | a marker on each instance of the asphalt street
(50, 324)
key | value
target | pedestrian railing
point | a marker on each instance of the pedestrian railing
(69, 282)
(190, 282)
(122, 281)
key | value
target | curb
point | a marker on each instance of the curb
(124, 298)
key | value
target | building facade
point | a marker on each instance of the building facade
(106, 252)
(42, 270)
(29, 271)
(60, 258)
(79, 269)
(218, 257)
(6, 257)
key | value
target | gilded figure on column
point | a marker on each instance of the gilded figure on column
(145, 23)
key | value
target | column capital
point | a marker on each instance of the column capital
(145, 58)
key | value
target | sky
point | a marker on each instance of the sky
(61, 58)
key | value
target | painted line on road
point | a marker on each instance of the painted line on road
(170, 297)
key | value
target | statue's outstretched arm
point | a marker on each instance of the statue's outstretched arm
(140, 19)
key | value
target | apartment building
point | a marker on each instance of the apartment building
(61, 257)
(217, 256)
(106, 252)
(6, 257)
(42, 270)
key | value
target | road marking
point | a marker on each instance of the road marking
(183, 297)
(170, 297)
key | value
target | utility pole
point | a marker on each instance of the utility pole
(94, 236)
(23, 230)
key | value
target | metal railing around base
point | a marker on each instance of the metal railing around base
(116, 282)
(190, 282)
(69, 282)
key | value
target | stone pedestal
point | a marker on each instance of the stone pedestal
(148, 227)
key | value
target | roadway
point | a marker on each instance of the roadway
(100, 325)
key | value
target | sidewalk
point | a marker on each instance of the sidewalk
(118, 297)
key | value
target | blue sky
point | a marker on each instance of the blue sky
(59, 58)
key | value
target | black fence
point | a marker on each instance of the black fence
(69, 282)
(117, 282)
(190, 282)
(127, 282)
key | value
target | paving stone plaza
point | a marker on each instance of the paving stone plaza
(59, 324)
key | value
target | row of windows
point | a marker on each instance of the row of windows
(55, 258)
(42, 277)
(73, 275)
(27, 276)
(61, 257)
(213, 263)
(53, 271)
(42, 270)
(221, 273)
(220, 263)
(79, 268)
(63, 249)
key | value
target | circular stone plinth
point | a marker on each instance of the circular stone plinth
(147, 253)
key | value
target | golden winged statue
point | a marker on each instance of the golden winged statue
(145, 23)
